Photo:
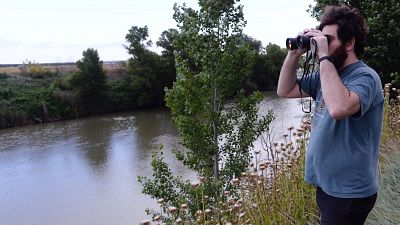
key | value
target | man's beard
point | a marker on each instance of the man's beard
(339, 56)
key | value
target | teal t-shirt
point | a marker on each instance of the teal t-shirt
(342, 155)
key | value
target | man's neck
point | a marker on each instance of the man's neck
(351, 58)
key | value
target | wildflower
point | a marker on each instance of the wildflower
(157, 218)
(226, 193)
(178, 221)
(160, 201)
(172, 209)
(255, 205)
(257, 151)
(202, 179)
(195, 184)
(199, 212)
(145, 222)
(207, 211)
(184, 206)
(241, 215)
(235, 181)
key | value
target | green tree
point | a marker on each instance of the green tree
(274, 57)
(150, 73)
(217, 121)
(89, 82)
(266, 69)
(383, 46)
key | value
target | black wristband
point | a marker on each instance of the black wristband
(328, 58)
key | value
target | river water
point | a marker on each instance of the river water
(84, 171)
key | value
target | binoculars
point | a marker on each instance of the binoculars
(301, 42)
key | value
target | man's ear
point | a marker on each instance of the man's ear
(350, 44)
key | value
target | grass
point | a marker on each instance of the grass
(387, 207)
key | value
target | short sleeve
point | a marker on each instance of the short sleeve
(364, 85)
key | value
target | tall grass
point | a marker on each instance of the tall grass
(387, 207)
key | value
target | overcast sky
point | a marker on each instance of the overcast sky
(59, 30)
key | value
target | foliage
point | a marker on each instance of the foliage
(89, 82)
(383, 46)
(31, 105)
(218, 122)
(150, 73)
(267, 67)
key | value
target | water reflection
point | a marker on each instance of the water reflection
(151, 125)
(94, 136)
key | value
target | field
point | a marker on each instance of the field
(62, 68)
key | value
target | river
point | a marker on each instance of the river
(84, 171)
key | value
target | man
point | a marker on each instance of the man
(342, 154)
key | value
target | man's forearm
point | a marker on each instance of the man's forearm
(287, 77)
(338, 99)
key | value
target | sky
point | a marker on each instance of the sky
(54, 31)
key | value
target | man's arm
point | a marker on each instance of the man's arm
(287, 85)
(340, 101)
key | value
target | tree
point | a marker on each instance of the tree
(150, 73)
(217, 121)
(89, 82)
(383, 46)
(274, 57)
(266, 69)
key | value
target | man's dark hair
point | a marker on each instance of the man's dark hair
(350, 24)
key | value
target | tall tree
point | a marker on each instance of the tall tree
(217, 121)
(274, 57)
(89, 82)
(383, 46)
(144, 67)
(212, 38)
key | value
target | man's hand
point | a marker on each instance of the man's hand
(321, 41)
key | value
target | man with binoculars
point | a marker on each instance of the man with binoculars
(343, 149)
